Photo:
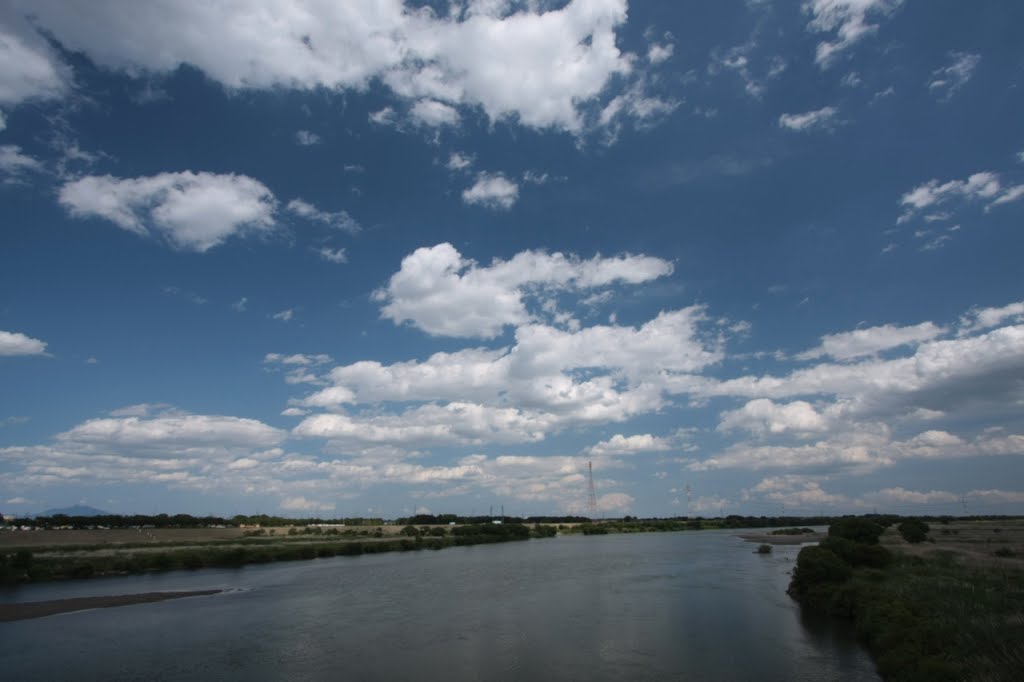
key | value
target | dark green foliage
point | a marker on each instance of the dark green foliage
(921, 619)
(764, 549)
(593, 529)
(793, 531)
(858, 529)
(24, 566)
(192, 560)
(857, 553)
(914, 531)
(83, 570)
(540, 531)
(818, 571)
(492, 532)
(1005, 552)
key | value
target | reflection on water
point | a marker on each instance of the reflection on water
(651, 606)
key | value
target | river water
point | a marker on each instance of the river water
(658, 606)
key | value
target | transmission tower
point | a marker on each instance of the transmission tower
(591, 495)
(689, 511)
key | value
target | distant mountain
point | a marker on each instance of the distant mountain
(76, 510)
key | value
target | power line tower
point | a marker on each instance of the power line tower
(591, 494)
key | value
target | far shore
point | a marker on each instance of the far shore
(39, 609)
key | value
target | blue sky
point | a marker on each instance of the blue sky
(377, 258)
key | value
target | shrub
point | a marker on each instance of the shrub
(914, 531)
(1005, 552)
(857, 529)
(764, 549)
(22, 559)
(544, 531)
(817, 566)
(856, 553)
(83, 570)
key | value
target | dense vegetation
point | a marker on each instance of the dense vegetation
(922, 620)
(793, 531)
(26, 566)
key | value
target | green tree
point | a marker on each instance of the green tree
(857, 529)
(914, 531)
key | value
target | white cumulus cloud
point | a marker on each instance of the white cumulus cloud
(301, 504)
(529, 63)
(16, 343)
(985, 318)
(871, 341)
(762, 416)
(443, 293)
(192, 211)
(626, 445)
(492, 190)
(432, 113)
(29, 69)
(172, 434)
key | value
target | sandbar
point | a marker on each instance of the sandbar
(769, 539)
(39, 609)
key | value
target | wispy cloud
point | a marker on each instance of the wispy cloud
(948, 80)
(819, 119)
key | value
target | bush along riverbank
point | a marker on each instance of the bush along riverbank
(924, 619)
(26, 566)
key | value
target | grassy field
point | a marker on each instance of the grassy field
(982, 544)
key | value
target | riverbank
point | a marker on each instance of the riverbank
(948, 608)
(76, 561)
(40, 609)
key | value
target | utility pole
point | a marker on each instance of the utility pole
(591, 493)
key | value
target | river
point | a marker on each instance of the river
(658, 606)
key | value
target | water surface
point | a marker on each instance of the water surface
(698, 606)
